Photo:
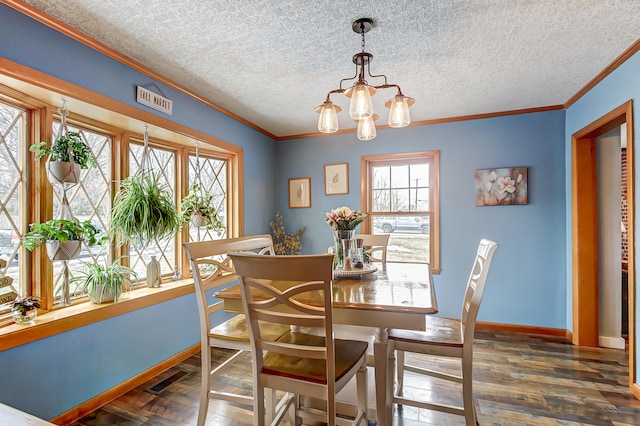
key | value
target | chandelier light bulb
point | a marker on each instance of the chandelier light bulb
(366, 128)
(399, 112)
(361, 105)
(328, 120)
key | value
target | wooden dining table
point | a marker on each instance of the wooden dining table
(397, 298)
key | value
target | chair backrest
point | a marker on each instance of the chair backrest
(271, 289)
(376, 247)
(475, 287)
(211, 268)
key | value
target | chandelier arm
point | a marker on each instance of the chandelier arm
(332, 92)
(348, 79)
(375, 76)
(388, 86)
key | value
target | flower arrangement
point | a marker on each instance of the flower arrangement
(343, 218)
(25, 304)
(283, 242)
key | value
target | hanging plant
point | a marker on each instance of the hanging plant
(63, 237)
(66, 149)
(144, 210)
(198, 209)
(62, 230)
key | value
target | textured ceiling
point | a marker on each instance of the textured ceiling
(272, 62)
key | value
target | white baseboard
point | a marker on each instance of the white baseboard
(611, 342)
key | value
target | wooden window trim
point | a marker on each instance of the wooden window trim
(41, 94)
(65, 319)
(406, 158)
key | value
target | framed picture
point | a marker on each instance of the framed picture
(501, 187)
(336, 179)
(299, 193)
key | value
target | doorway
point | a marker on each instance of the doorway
(584, 218)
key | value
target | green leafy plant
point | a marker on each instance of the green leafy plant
(61, 149)
(25, 304)
(144, 210)
(200, 203)
(284, 242)
(62, 230)
(103, 281)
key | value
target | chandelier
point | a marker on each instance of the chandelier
(361, 108)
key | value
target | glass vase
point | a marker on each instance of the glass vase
(25, 317)
(338, 236)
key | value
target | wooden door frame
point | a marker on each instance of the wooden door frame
(584, 216)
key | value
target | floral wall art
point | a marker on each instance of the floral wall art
(500, 187)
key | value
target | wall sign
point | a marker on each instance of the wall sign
(153, 100)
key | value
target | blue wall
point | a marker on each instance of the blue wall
(619, 87)
(527, 280)
(62, 371)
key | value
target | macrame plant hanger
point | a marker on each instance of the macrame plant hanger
(65, 209)
(199, 181)
(153, 266)
(144, 162)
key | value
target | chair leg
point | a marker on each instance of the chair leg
(400, 372)
(467, 392)
(270, 395)
(293, 409)
(258, 405)
(205, 384)
(362, 387)
(331, 409)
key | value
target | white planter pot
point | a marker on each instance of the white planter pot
(63, 251)
(60, 172)
(200, 221)
(101, 294)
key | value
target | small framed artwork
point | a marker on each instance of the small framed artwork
(501, 187)
(299, 193)
(336, 179)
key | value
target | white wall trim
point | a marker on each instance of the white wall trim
(612, 342)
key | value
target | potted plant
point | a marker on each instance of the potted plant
(144, 210)
(105, 283)
(67, 156)
(198, 209)
(24, 309)
(63, 237)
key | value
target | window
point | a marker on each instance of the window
(402, 199)
(210, 174)
(26, 195)
(13, 140)
(162, 162)
(89, 200)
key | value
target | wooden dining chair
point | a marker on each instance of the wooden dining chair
(296, 291)
(376, 247)
(211, 268)
(447, 338)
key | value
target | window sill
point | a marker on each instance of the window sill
(61, 320)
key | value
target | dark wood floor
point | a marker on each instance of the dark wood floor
(518, 380)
